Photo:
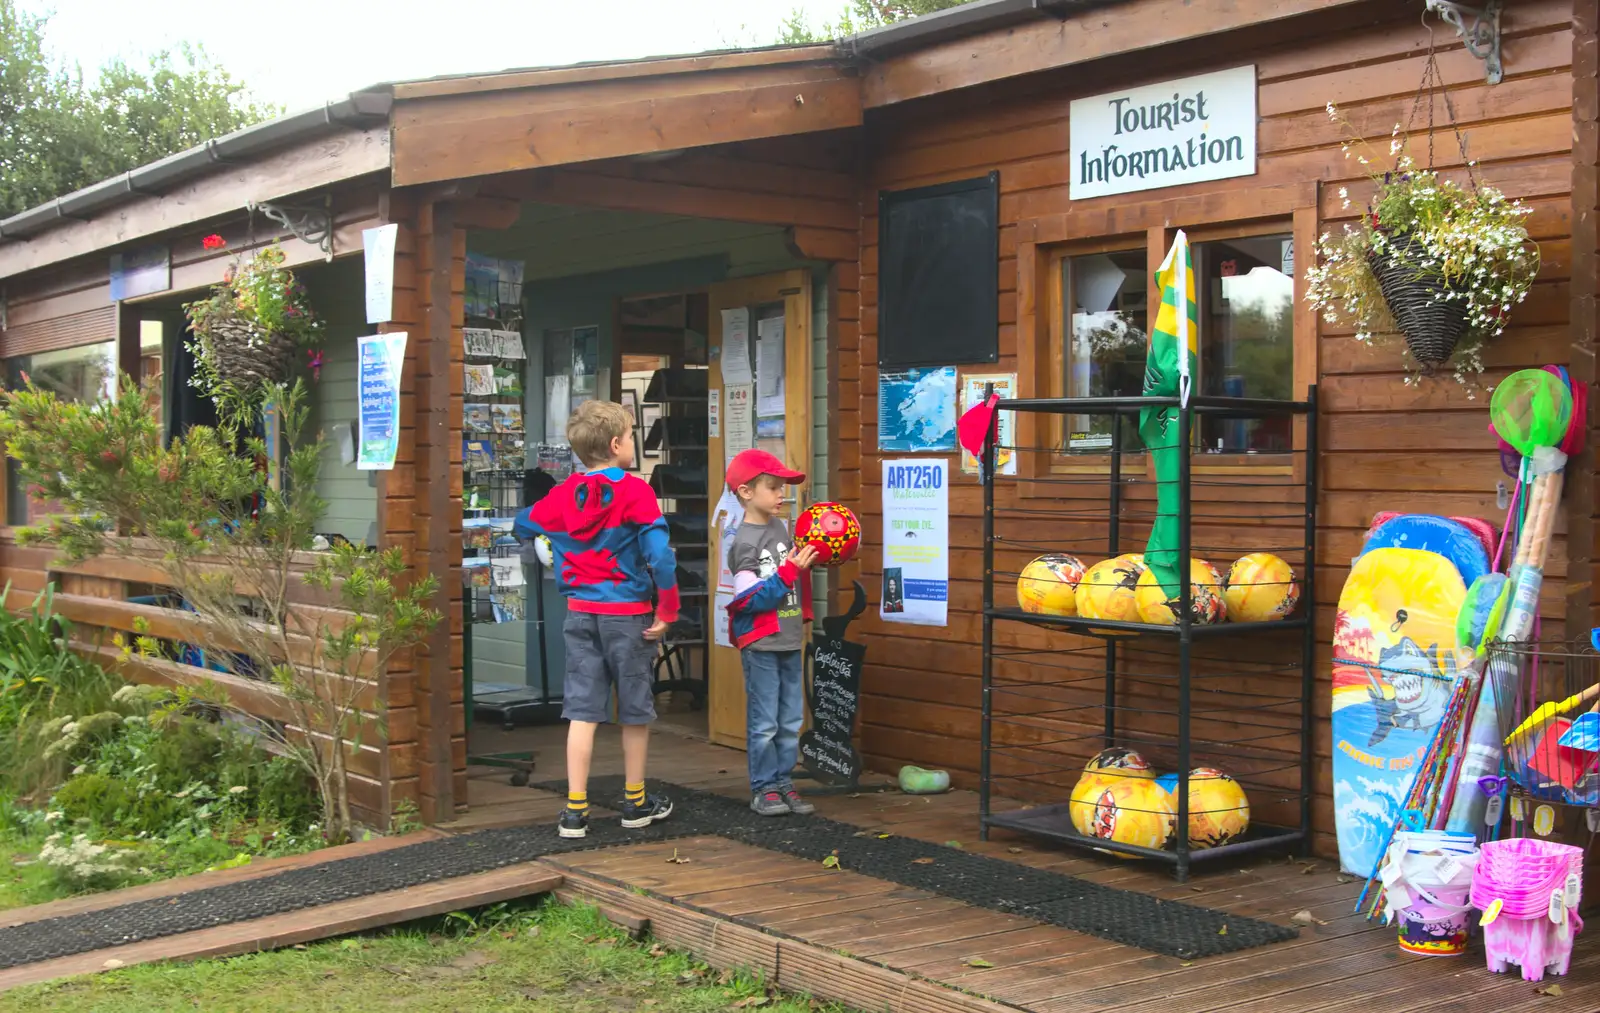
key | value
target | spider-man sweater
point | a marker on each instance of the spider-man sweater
(608, 541)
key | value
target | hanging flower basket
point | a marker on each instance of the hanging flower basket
(1434, 262)
(1431, 315)
(247, 332)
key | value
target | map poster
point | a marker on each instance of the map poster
(381, 358)
(1005, 387)
(917, 411)
(916, 542)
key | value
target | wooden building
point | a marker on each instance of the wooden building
(753, 180)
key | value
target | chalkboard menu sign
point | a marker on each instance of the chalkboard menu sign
(834, 697)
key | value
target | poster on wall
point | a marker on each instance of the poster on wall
(377, 247)
(725, 519)
(917, 411)
(736, 346)
(973, 386)
(738, 419)
(1189, 130)
(381, 358)
(916, 542)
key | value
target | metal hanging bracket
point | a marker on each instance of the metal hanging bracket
(308, 223)
(1481, 36)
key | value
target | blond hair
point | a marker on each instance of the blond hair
(593, 426)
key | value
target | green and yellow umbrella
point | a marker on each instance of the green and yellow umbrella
(1169, 369)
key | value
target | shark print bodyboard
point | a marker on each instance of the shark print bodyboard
(1395, 663)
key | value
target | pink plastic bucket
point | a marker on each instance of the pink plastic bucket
(1525, 880)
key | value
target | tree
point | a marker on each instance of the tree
(859, 16)
(229, 540)
(58, 134)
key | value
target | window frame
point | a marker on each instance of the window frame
(1044, 242)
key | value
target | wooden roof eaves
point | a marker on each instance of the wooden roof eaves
(469, 84)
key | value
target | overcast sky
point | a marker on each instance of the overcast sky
(300, 53)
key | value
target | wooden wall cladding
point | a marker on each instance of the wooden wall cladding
(1385, 445)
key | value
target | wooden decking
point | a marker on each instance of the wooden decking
(1339, 963)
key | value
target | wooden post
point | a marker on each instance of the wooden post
(1580, 612)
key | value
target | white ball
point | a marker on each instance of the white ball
(542, 549)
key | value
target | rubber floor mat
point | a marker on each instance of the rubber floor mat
(1124, 916)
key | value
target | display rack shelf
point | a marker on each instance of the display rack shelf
(1057, 689)
(679, 482)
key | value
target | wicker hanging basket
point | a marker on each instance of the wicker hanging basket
(1420, 301)
(241, 355)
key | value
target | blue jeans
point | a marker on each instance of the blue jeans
(774, 689)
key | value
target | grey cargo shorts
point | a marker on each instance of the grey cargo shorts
(605, 652)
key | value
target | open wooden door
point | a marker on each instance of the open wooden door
(773, 305)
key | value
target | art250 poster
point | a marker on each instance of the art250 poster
(916, 542)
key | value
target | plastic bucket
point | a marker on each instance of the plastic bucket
(1429, 891)
(1517, 879)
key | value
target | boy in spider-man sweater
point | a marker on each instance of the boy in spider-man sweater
(608, 544)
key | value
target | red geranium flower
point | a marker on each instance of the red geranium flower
(213, 242)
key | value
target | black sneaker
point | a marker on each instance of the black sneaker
(769, 803)
(574, 823)
(651, 810)
(796, 804)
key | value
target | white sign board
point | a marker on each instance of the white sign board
(916, 542)
(1186, 131)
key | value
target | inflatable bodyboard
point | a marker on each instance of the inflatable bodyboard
(1394, 667)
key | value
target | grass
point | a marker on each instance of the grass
(539, 957)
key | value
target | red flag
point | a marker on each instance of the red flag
(974, 425)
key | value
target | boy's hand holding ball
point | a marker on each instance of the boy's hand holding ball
(803, 556)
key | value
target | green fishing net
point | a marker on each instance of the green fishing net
(1531, 408)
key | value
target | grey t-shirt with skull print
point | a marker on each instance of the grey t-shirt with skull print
(759, 548)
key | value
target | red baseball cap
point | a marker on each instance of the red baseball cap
(747, 464)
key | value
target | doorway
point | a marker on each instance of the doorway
(660, 359)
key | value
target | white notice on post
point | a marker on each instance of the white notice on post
(736, 346)
(769, 368)
(378, 249)
(738, 419)
(916, 542)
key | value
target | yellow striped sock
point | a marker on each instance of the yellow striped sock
(636, 793)
(578, 801)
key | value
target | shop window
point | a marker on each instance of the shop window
(1246, 292)
(1104, 290)
(85, 373)
(1105, 330)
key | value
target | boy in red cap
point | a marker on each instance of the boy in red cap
(766, 621)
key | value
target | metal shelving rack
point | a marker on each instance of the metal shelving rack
(680, 435)
(1183, 696)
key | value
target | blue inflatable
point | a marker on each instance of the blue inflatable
(1439, 535)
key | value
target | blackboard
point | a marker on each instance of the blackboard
(833, 698)
(939, 274)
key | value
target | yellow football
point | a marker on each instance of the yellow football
(1049, 585)
(1205, 597)
(1261, 588)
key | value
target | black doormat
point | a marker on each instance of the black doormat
(1175, 929)
(1172, 928)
